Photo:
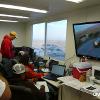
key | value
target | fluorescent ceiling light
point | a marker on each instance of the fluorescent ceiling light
(7, 20)
(22, 8)
(76, 1)
(5, 15)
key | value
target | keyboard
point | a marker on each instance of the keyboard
(51, 76)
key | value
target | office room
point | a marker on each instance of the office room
(62, 15)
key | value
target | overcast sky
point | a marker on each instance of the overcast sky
(55, 30)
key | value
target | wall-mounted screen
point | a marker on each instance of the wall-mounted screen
(87, 39)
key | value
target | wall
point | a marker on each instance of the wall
(29, 31)
(5, 28)
(79, 15)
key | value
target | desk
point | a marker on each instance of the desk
(70, 90)
(54, 88)
(54, 83)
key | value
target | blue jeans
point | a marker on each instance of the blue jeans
(7, 67)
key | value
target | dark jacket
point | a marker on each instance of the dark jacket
(36, 93)
(7, 47)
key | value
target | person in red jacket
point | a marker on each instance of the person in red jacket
(7, 46)
(24, 59)
(31, 74)
(20, 79)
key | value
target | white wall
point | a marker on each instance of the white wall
(5, 28)
(29, 35)
(79, 15)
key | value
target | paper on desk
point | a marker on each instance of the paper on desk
(70, 81)
(39, 83)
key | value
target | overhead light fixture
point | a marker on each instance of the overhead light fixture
(7, 21)
(22, 8)
(76, 1)
(6, 15)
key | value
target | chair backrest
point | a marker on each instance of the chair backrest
(25, 93)
(21, 93)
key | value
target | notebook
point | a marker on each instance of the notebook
(57, 71)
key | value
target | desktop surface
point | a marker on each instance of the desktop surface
(86, 87)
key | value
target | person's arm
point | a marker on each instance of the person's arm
(7, 92)
(31, 74)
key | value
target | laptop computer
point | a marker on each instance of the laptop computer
(57, 71)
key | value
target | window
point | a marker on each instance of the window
(56, 38)
(55, 35)
(38, 38)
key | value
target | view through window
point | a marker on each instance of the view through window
(55, 39)
(38, 38)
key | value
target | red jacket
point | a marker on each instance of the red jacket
(31, 74)
(7, 47)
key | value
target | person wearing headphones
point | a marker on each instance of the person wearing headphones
(20, 79)
(24, 59)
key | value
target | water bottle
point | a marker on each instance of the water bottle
(88, 75)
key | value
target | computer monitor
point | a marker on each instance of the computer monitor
(58, 70)
(96, 74)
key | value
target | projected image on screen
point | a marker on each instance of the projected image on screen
(87, 39)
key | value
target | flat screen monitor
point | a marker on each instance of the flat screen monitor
(58, 70)
(87, 39)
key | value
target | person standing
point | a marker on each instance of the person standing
(7, 51)
(7, 46)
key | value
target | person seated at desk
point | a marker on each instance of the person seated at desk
(24, 59)
(20, 79)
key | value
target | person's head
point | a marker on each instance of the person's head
(21, 53)
(13, 35)
(24, 58)
(19, 69)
